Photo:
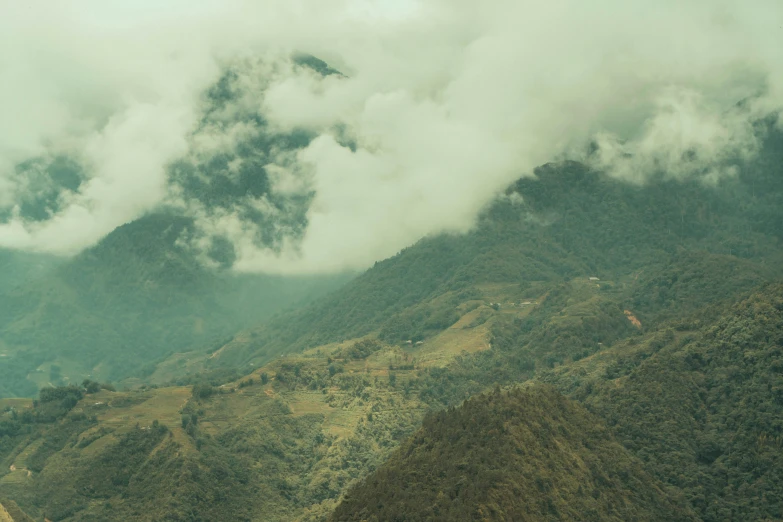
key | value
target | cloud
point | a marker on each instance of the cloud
(443, 103)
(684, 138)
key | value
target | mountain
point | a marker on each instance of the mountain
(117, 309)
(286, 442)
(527, 454)
(700, 403)
(652, 308)
(143, 293)
(568, 221)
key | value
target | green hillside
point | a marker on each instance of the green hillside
(654, 308)
(567, 222)
(522, 455)
(286, 442)
(117, 309)
(700, 404)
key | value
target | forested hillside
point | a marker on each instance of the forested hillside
(695, 401)
(523, 455)
(691, 400)
(659, 317)
(701, 403)
(117, 309)
(569, 221)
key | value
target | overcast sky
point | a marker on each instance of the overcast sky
(447, 100)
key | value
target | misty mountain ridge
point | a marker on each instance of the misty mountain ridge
(391, 261)
(569, 221)
(116, 309)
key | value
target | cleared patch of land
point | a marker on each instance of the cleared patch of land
(4, 515)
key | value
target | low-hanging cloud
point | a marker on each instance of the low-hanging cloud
(440, 105)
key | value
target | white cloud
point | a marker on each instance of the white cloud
(445, 102)
(684, 138)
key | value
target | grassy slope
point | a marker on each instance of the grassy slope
(4, 516)
(12, 512)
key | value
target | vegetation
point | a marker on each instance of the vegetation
(670, 362)
(13, 511)
(118, 309)
(524, 455)
(568, 222)
(701, 406)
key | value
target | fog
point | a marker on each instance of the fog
(439, 106)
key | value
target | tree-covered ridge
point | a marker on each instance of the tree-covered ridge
(527, 454)
(701, 405)
(696, 401)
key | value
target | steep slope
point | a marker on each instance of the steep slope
(523, 455)
(569, 221)
(4, 516)
(117, 309)
(700, 404)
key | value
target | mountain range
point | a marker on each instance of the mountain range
(591, 350)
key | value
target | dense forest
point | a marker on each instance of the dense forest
(695, 403)
(527, 454)
(700, 404)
